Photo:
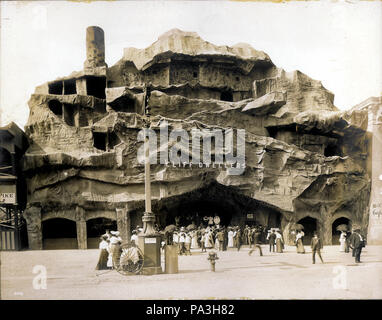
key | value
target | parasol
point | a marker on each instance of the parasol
(191, 227)
(342, 227)
(170, 228)
(298, 227)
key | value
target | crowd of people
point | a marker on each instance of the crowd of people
(221, 238)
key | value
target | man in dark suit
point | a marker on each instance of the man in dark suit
(316, 246)
(272, 241)
(256, 242)
(357, 243)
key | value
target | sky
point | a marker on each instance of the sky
(336, 42)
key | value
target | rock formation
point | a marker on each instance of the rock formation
(303, 157)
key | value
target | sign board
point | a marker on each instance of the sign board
(150, 240)
(250, 216)
(8, 194)
(8, 198)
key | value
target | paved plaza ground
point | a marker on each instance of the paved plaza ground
(71, 275)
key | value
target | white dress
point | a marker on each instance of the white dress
(342, 242)
(230, 239)
(194, 241)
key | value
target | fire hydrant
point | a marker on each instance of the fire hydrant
(212, 256)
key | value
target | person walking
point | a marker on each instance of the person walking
(272, 240)
(230, 238)
(299, 243)
(225, 242)
(358, 242)
(238, 239)
(279, 242)
(182, 241)
(187, 244)
(220, 238)
(256, 242)
(203, 242)
(342, 241)
(316, 246)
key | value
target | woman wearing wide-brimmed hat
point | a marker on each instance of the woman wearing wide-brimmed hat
(104, 254)
(115, 248)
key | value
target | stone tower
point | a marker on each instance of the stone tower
(95, 48)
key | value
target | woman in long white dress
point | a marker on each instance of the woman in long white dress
(230, 238)
(342, 241)
(194, 240)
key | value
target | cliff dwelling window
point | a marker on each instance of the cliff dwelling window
(70, 87)
(56, 107)
(331, 150)
(95, 86)
(100, 139)
(154, 72)
(237, 79)
(6, 166)
(226, 96)
(336, 234)
(59, 233)
(96, 228)
(55, 87)
(125, 104)
(195, 74)
(69, 114)
(113, 140)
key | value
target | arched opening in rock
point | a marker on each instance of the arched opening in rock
(230, 204)
(95, 228)
(336, 234)
(59, 233)
(310, 226)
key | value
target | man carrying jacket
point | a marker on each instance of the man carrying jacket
(316, 246)
(357, 243)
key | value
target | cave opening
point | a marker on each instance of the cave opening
(232, 207)
(331, 150)
(55, 87)
(70, 87)
(100, 140)
(226, 96)
(95, 228)
(56, 107)
(336, 234)
(59, 233)
(310, 226)
(95, 86)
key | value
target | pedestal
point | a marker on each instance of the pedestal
(150, 246)
(171, 259)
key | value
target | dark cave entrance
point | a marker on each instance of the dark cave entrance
(336, 234)
(95, 228)
(310, 226)
(59, 233)
(230, 204)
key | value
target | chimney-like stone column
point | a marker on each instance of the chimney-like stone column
(95, 48)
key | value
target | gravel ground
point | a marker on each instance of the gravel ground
(71, 275)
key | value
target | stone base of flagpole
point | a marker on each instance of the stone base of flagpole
(149, 241)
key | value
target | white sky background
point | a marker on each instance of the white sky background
(339, 43)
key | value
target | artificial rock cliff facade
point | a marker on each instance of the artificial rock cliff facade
(305, 161)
